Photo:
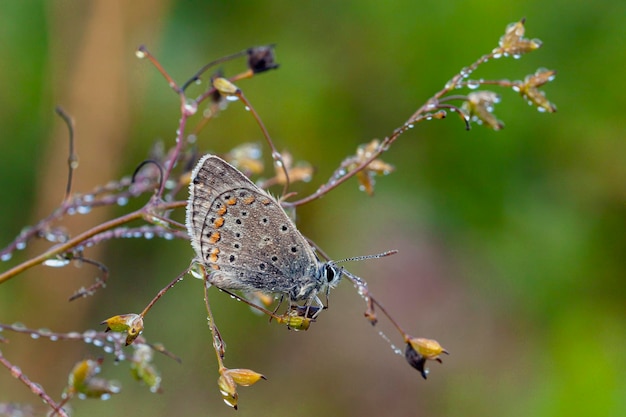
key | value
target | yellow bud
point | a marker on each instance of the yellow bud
(142, 369)
(428, 348)
(540, 77)
(228, 389)
(82, 381)
(299, 317)
(245, 377)
(131, 324)
(419, 350)
(225, 87)
(295, 322)
(82, 372)
(513, 42)
(479, 106)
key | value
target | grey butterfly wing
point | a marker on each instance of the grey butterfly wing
(209, 179)
(244, 238)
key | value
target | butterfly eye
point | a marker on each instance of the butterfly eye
(331, 274)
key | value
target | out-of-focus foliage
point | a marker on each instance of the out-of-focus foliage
(511, 243)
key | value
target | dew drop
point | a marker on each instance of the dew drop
(35, 336)
(36, 388)
(472, 84)
(108, 349)
(148, 235)
(465, 72)
(73, 335)
(155, 388)
(88, 335)
(6, 256)
(168, 236)
(71, 211)
(83, 209)
(16, 372)
(140, 54)
(170, 184)
(17, 326)
(191, 107)
(20, 245)
(122, 201)
(56, 262)
(196, 273)
(247, 108)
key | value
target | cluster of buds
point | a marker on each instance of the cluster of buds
(83, 382)
(229, 380)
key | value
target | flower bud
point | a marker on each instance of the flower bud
(131, 324)
(228, 389)
(225, 87)
(245, 377)
(419, 350)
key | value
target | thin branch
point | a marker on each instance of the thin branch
(33, 386)
(72, 160)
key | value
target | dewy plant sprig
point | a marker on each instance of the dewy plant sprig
(167, 173)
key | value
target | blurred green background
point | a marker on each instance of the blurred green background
(512, 243)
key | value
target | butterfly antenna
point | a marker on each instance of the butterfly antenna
(362, 258)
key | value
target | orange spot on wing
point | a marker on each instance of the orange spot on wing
(219, 222)
(215, 237)
(221, 211)
(232, 201)
(248, 200)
